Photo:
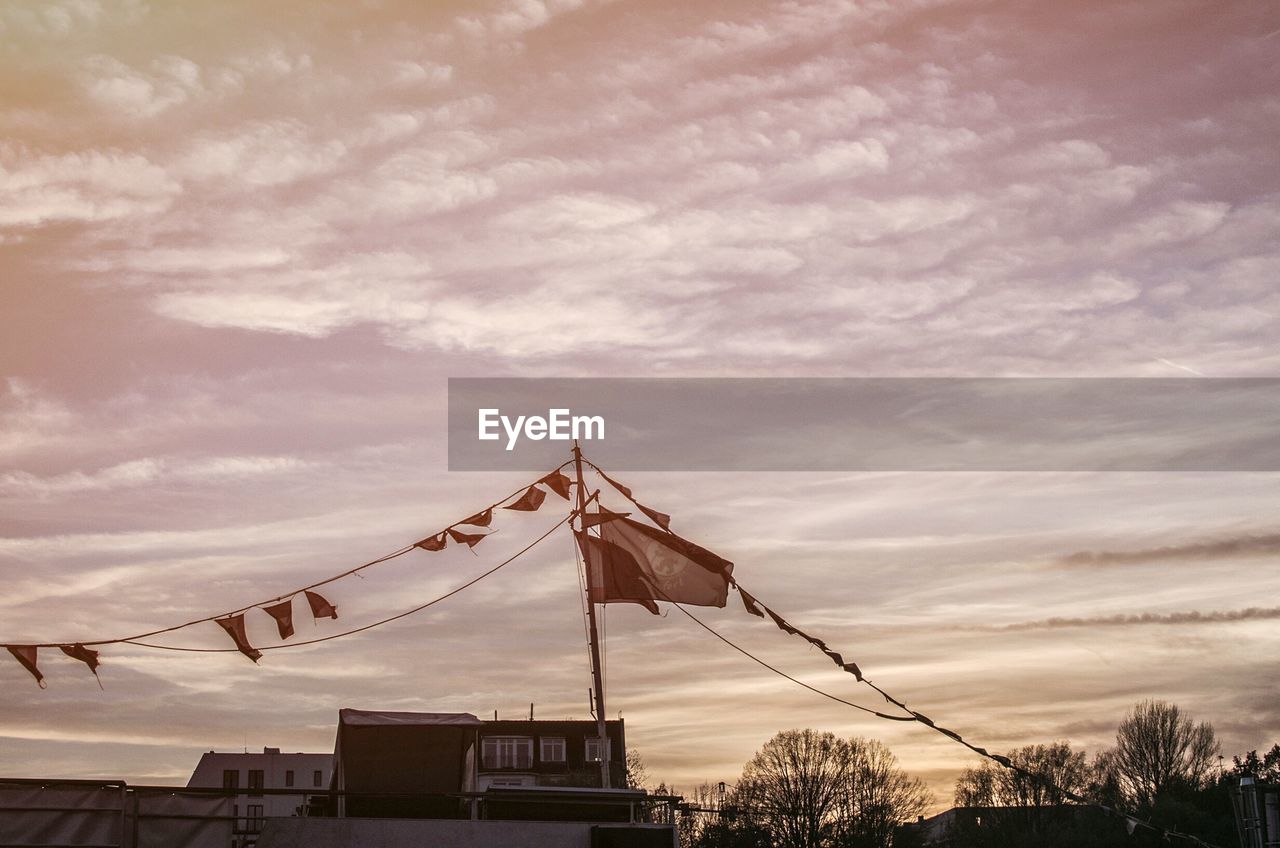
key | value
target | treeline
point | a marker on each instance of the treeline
(812, 789)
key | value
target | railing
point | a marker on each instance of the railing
(113, 814)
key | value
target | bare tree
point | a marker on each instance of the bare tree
(1044, 768)
(813, 790)
(878, 797)
(636, 773)
(1159, 749)
(792, 786)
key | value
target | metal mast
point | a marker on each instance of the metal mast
(593, 637)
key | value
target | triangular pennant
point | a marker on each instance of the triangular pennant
(595, 519)
(816, 642)
(1130, 824)
(88, 656)
(529, 501)
(283, 614)
(615, 484)
(835, 656)
(659, 518)
(320, 608)
(781, 622)
(852, 668)
(432, 543)
(480, 519)
(558, 483)
(26, 654)
(234, 625)
(468, 539)
(749, 603)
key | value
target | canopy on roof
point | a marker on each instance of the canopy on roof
(384, 718)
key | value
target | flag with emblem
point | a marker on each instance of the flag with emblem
(631, 562)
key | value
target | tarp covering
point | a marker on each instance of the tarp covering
(106, 816)
(382, 718)
(398, 754)
(60, 815)
(165, 819)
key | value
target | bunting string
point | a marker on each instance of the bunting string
(755, 607)
(527, 498)
(388, 620)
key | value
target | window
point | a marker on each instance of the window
(507, 752)
(595, 751)
(230, 778)
(288, 777)
(553, 749)
(316, 777)
(254, 822)
(255, 781)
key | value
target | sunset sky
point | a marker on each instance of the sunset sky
(245, 244)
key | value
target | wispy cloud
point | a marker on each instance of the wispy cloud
(1231, 548)
(242, 257)
(1146, 618)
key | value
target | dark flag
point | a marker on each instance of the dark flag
(529, 501)
(320, 608)
(614, 576)
(283, 614)
(432, 543)
(480, 519)
(26, 654)
(88, 656)
(658, 566)
(468, 539)
(234, 625)
(558, 483)
(659, 518)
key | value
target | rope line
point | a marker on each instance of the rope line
(385, 558)
(781, 673)
(388, 620)
(913, 715)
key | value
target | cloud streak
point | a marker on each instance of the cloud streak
(1232, 548)
(1146, 618)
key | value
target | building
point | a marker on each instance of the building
(403, 779)
(416, 761)
(1079, 823)
(549, 753)
(266, 785)
(1257, 812)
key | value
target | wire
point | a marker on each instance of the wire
(396, 617)
(780, 672)
(401, 552)
(913, 716)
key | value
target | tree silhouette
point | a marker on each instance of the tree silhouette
(810, 789)
(990, 785)
(1159, 750)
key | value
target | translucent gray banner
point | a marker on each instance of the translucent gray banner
(871, 424)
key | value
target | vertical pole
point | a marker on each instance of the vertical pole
(597, 678)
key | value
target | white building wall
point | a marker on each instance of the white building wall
(274, 766)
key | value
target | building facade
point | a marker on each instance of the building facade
(266, 785)
(522, 754)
